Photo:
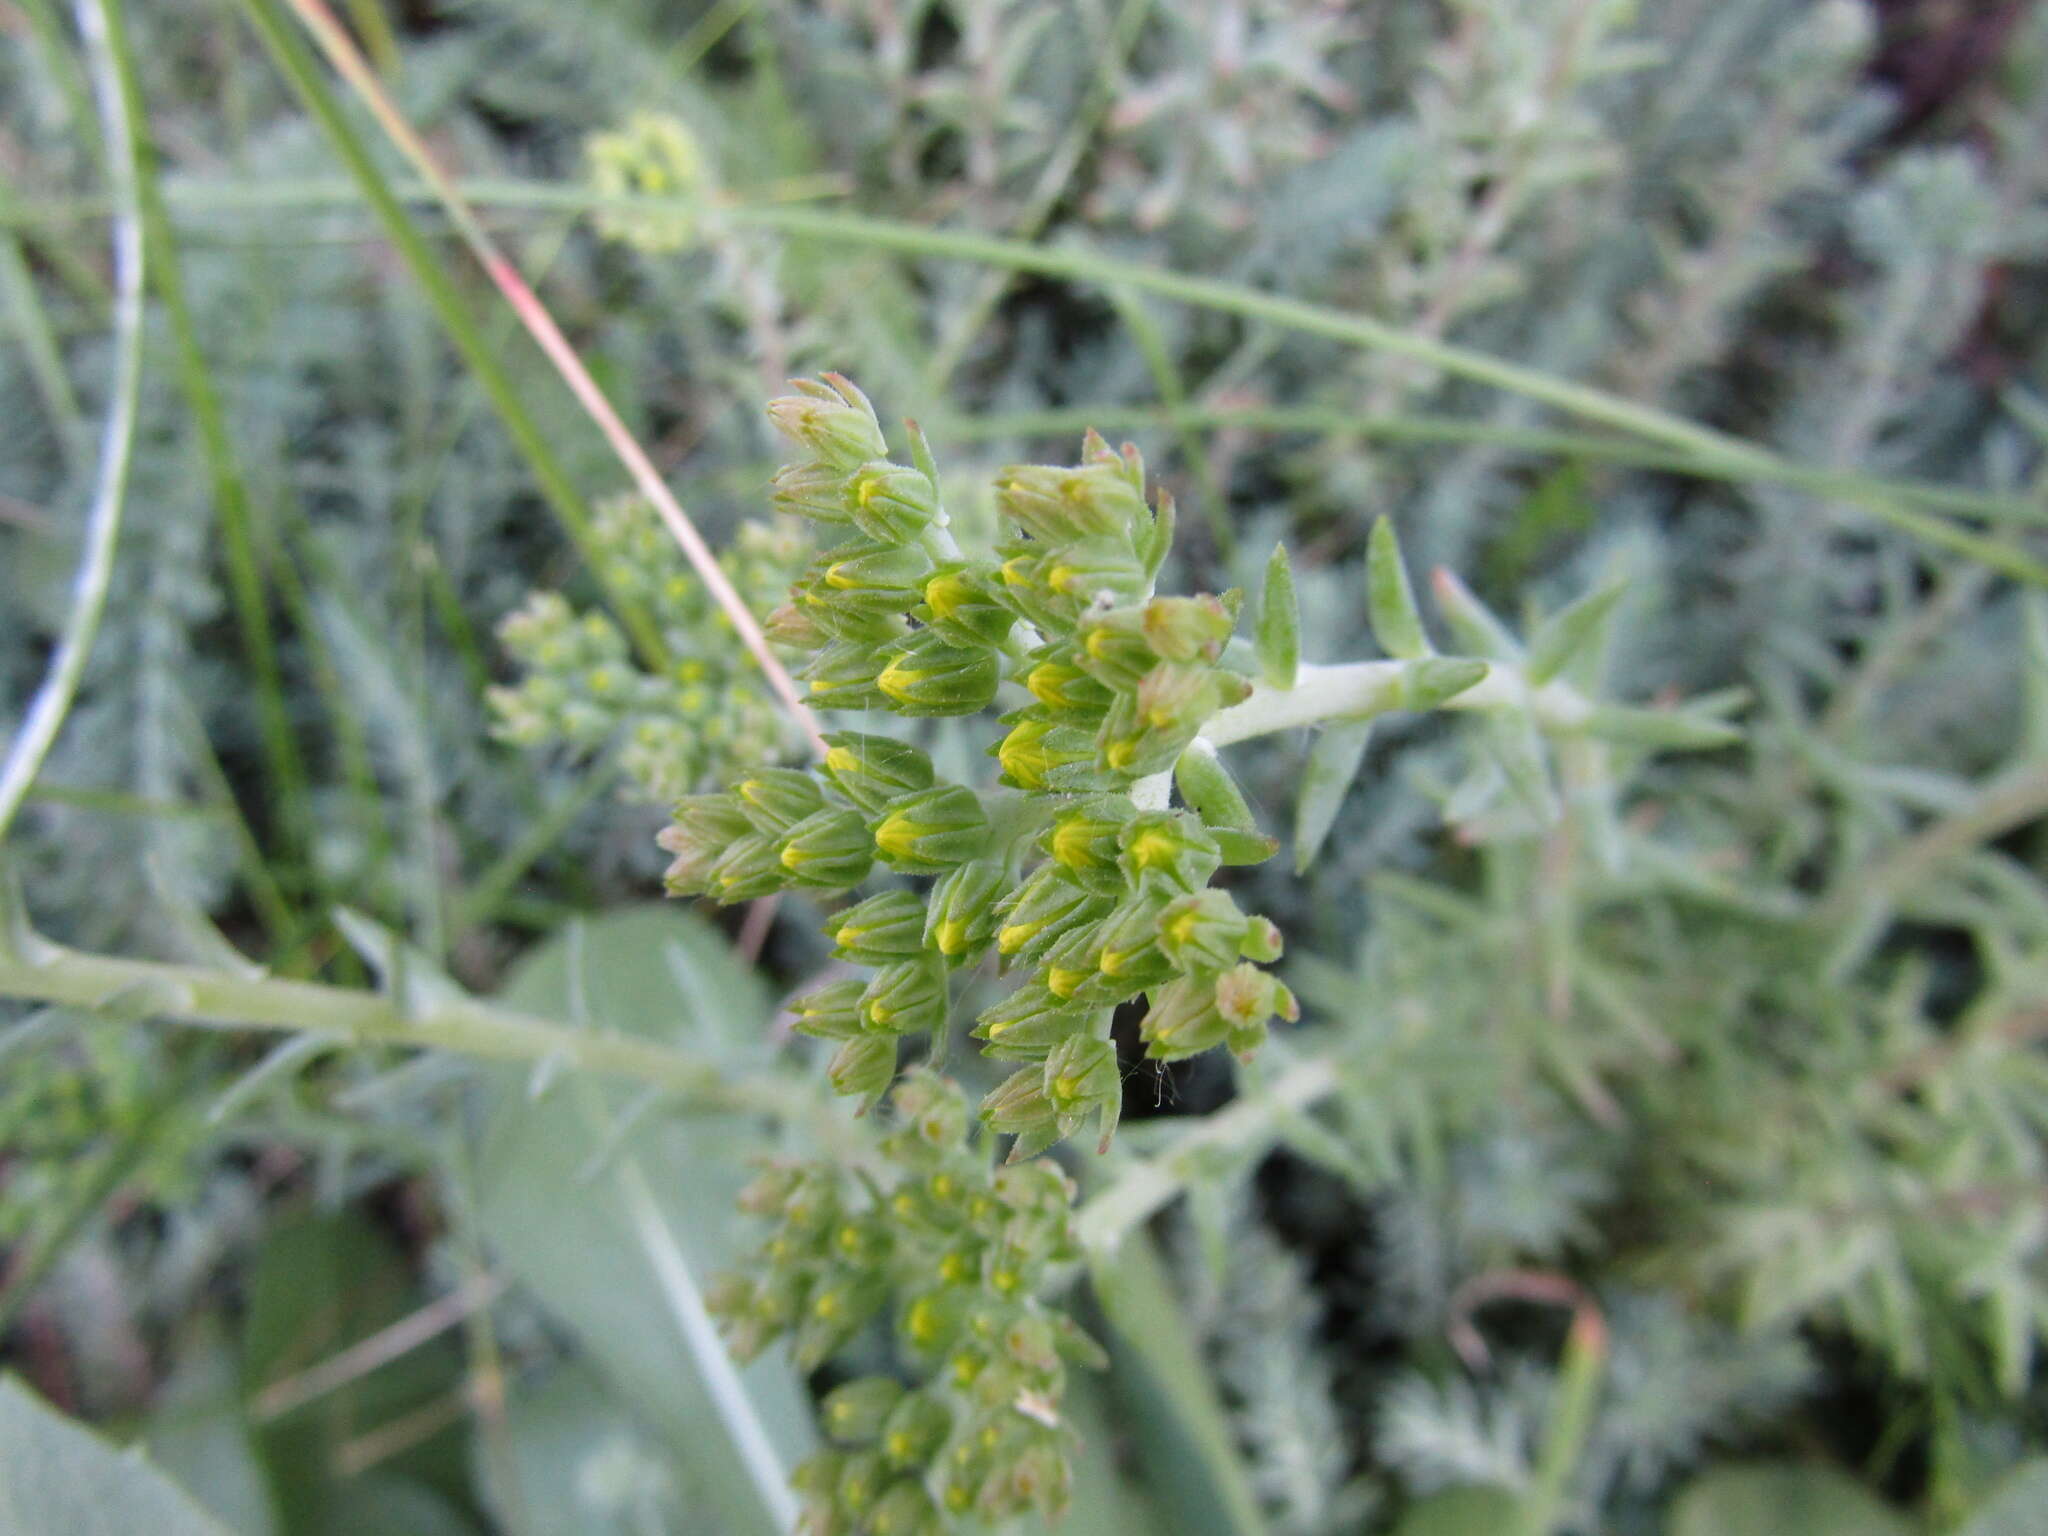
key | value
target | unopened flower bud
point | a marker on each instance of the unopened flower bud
(1187, 628)
(1203, 931)
(775, 799)
(1057, 504)
(854, 1414)
(907, 997)
(1247, 998)
(961, 606)
(864, 1067)
(1057, 681)
(1167, 848)
(830, 849)
(874, 580)
(914, 1431)
(1131, 952)
(883, 928)
(929, 832)
(1084, 843)
(927, 676)
(1026, 1025)
(831, 419)
(705, 827)
(960, 920)
(789, 625)
(1039, 753)
(813, 490)
(838, 1305)
(842, 676)
(871, 771)
(892, 502)
(831, 1012)
(1043, 909)
(751, 866)
(905, 1509)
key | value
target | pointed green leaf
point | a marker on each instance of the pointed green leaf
(1474, 624)
(1568, 632)
(1517, 746)
(1664, 729)
(1279, 632)
(1435, 680)
(1206, 785)
(1240, 848)
(1390, 601)
(1333, 762)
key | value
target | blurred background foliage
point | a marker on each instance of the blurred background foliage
(1739, 1053)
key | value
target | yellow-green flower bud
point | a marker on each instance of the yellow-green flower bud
(960, 919)
(1018, 1107)
(775, 799)
(929, 832)
(1083, 842)
(871, 771)
(1058, 504)
(1204, 931)
(915, 1429)
(788, 625)
(1043, 910)
(1056, 679)
(830, 850)
(873, 580)
(705, 827)
(831, 419)
(960, 605)
(842, 676)
(864, 1067)
(1038, 753)
(750, 867)
(854, 1414)
(891, 502)
(1187, 628)
(927, 676)
(1112, 648)
(904, 1509)
(1247, 998)
(1131, 954)
(1167, 850)
(883, 928)
(813, 490)
(907, 997)
(1026, 1025)
(831, 1012)
(838, 1305)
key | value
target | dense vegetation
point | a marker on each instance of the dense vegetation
(1486, 875)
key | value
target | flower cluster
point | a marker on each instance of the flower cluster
(655, 156)
(1086, 899)
(963, 1251)
(584, 688)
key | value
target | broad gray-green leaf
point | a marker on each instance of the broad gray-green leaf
(616, 1221)
(57, 1478)
(1333, 762)
(1389, 600)
(1170, 1407)
(1782, 1499)
(2018, 1506)
(1279, 631)
(579, 1461)
(1476, 1511)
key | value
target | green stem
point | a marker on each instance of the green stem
(1571, 1415)
(289, 796)
(33, 969)
(52, 702)
(1246, 1128)
(452, 310)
